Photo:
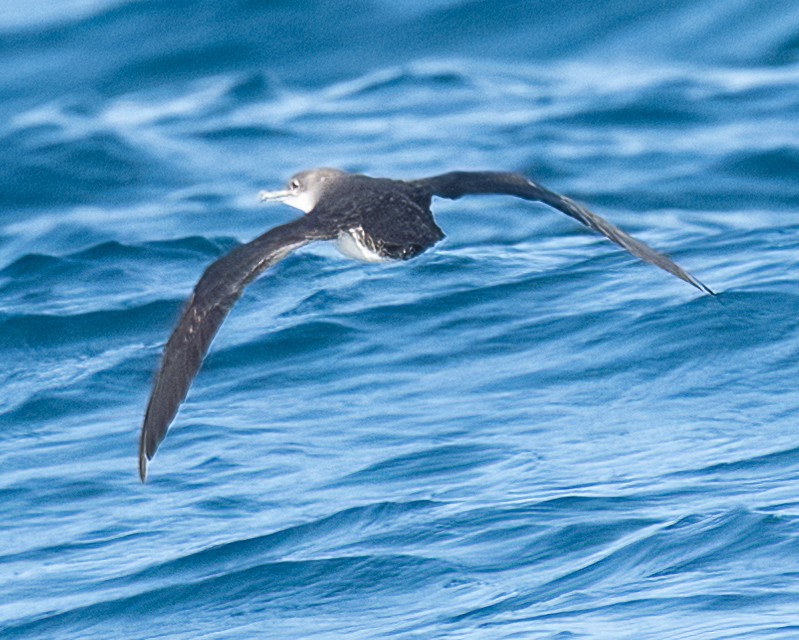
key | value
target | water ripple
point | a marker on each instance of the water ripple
(522, 433)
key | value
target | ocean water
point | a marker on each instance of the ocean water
(523, 433)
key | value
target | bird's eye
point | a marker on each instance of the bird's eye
(294, 185)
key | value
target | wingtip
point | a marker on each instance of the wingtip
(702, 286)
(143, 468)
(143, 458)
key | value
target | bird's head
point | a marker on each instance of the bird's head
(304, 189)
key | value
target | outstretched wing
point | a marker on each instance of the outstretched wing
(460, 183)
(214, 295)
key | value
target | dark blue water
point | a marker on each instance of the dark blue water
(524, 433)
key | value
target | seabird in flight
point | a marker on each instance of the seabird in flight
(372, 219)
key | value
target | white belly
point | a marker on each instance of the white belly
(351, 244)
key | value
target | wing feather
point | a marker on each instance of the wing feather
(460, 183)
(214, 295)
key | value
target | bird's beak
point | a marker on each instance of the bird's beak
(274, 195)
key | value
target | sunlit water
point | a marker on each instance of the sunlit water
(524, 433)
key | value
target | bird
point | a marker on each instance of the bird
(370, 219)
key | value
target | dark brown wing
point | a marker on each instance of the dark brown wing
(215, 294)
(460, 183)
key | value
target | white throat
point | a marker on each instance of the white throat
(304, 201)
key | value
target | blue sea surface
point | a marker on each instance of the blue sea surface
(523, 433)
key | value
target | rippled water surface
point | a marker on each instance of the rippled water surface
(523, 433)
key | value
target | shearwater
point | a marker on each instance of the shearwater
(372, 219)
